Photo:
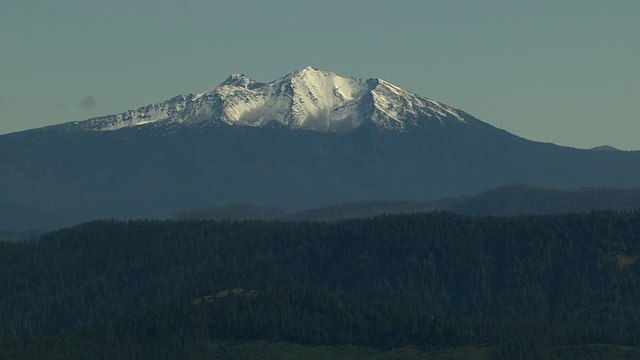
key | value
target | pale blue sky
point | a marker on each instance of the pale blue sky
(558, 71)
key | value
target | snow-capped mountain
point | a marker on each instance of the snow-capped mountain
(307, 99)
(364, 140)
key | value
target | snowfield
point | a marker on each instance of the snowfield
(308, 99)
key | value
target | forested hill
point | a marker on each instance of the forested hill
(445, 279)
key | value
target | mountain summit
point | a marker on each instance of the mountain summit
(308, 99)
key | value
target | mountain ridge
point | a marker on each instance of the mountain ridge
(308, 99)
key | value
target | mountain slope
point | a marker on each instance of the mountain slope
(506, 200)
(307, 99)
(291, 144)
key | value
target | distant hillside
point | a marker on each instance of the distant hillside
(604, 148)
(229, 212)
(524, 200)
(515, 199)
(14, 235)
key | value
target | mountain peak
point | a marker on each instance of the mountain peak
(604, 148)
(240, 80)
(308, 99)
(307, 70)
(311, 76)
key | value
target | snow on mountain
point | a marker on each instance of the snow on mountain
(307, 99)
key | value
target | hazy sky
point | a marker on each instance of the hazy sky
(557, 71)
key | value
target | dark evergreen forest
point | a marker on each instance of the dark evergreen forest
(524, 285)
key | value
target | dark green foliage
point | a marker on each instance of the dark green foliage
(524, 284)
